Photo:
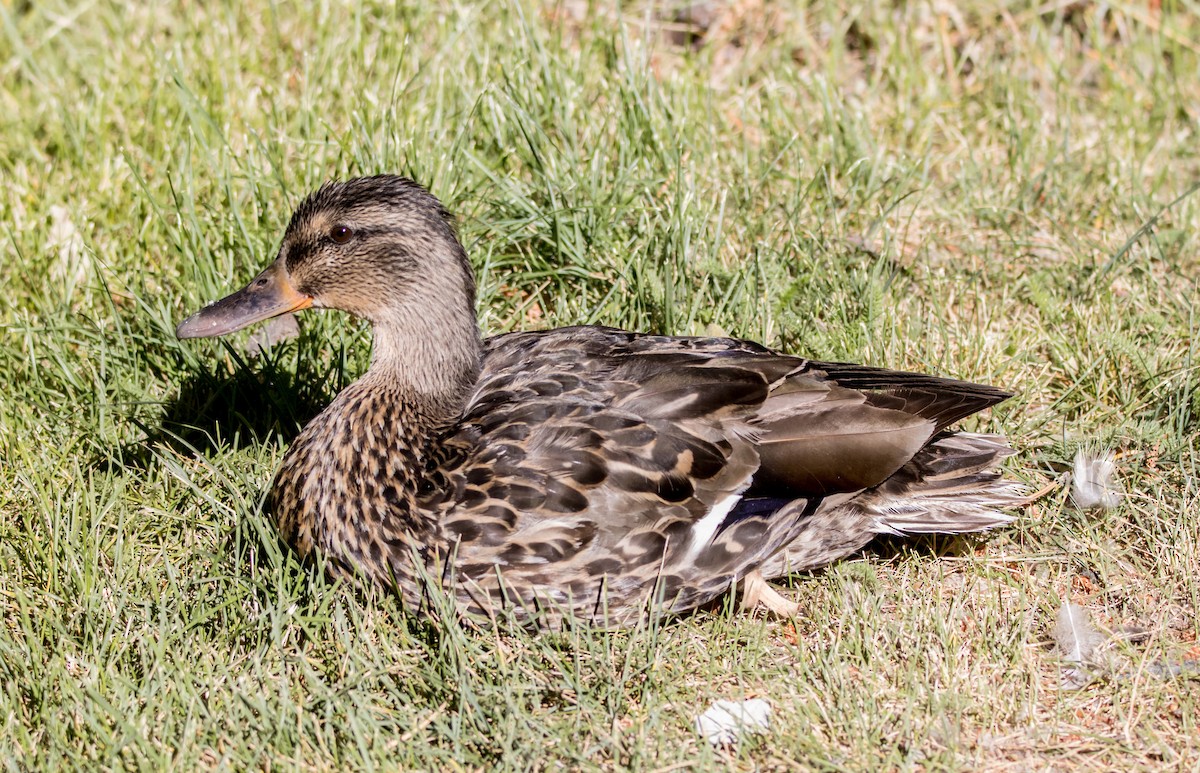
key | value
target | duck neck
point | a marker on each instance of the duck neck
(431, 359)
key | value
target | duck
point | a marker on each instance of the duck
(586, 473)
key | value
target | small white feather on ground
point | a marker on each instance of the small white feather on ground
(1077, 642)
(726, 721)
(1094, 483)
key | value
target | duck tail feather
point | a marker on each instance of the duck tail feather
(952, 486)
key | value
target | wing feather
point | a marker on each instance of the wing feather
(594, 462)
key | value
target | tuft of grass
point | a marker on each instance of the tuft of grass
(999, 192)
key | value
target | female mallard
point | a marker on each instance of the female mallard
(587, 470)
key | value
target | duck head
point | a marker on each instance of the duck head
(381, 248)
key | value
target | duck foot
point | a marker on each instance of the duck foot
(757, 591)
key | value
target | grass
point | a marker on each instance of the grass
(1004, 192)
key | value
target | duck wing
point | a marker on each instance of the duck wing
(834, 427)
(593, 463)
(575, 444)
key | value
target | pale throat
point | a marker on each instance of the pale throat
(431, 354)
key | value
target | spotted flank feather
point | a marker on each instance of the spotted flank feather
(586, 471)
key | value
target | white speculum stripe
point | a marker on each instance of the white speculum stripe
(704, 529)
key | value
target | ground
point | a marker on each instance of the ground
(1001, 192)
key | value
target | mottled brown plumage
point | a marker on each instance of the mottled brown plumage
(586, 471)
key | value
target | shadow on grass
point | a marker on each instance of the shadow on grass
(886, 547)
(258, 401)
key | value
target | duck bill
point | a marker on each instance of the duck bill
(268, 295)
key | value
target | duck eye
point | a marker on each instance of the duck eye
(340, 234)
